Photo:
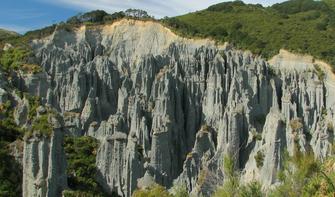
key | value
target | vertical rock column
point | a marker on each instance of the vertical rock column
(44, 166)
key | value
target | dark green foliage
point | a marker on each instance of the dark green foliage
(9, 131)
(46, 31)
(114, 16)
(81, 170)
(96, 16)
(17, 58)
(34, 103)
(232, 187)
(253, 189)
(319, 72)
(256, 135)
(182, 27)
(41, 126)
(302, 26)
(302, 175)
(13, 58)
(297, 6)
(10, 175)
(259, 158)
(137, 13)
(226, 7)
(160, 191)
(153, 191)
(77, 193)
(4, 34)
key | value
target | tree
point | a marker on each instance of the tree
(137, 13)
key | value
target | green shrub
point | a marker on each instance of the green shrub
(13, 58)
(34, 103)
(319, 72)
(302, 175)
(9, 131)
(231, 182)
(256, 136)
(252, 189)
(81, 170)
(69, 193)
(41, 126)
(305, 26)
(10, 173)
(181, 191)
(232, 186)
(259, 158)
(153, 191)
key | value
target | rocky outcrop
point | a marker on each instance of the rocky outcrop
(44, 164)
(168, 109)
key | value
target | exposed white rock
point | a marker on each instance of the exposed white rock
(145, 92)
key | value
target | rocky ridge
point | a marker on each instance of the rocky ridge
(167, 109)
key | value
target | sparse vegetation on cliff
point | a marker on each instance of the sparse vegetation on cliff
(232, 186)
(302, 175)
(10, 174)
(16, 58)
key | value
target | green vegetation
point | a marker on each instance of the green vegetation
(95, 17)
(81, 170)
(153, 191)
(9, 131)
(256, 135)
(303, 26)
(259, 158)
(302, 175)
(16, 58)
(5, 34)
(158, 190)
(319, 72)
(10, 174)
(34, 103)
(232, 186)
(41, 126)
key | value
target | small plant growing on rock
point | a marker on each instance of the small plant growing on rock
(204, 128)
(319, 72)
(296, 124)
(259, 158)
(324, 112)
(41, 125)
(189, 155)
(255, 135)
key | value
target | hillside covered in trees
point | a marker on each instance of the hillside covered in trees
(302, 26)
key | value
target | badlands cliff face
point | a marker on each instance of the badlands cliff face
(168, 109)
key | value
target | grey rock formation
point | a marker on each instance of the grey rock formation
(44, 165)
(145, 94)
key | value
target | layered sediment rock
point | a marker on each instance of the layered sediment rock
(167, 109)
(44, 165)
